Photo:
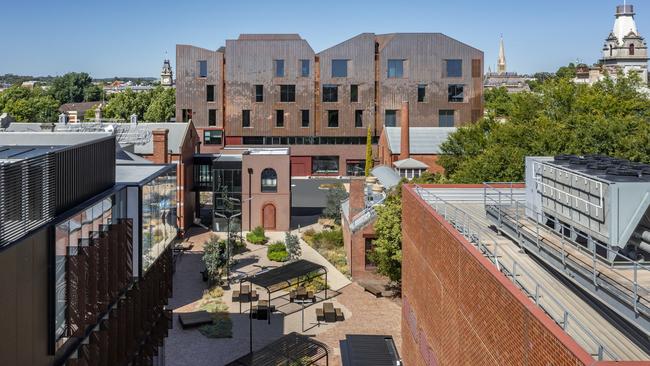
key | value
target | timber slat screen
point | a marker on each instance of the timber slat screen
(128, 322)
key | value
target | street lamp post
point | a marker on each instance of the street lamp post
(250, 198)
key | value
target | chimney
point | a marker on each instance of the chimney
(404, 147)
(160, 141)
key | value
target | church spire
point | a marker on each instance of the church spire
(501, 63)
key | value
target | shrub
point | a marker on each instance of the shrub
(212, 302)
(308, 235)
(328, 239)
(214, 257)
(277, 252)
(257, 236)
(292, 244)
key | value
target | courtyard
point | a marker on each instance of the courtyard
(362, 312)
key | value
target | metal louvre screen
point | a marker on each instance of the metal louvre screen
(26, 196)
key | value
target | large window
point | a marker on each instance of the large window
(332, 118)
(395, 68)
(287, 93)
(158, 217)
(212, 137)
(355, 168)
(305, 117)
(269, 180)
(212, 117)
(246, 118)
(279, 68)
(454, 68)
(358, 118)
(325, 165)
(259, 93)
(203, 69)
(339, 68)
(422, 92)
(354, 93)
(455, 93)
(210, 93)
(446, 118)
(390, 119)
(330, 93)
(304, 68)
(279, 118)
(186, 115)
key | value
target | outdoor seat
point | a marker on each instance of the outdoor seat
(235, 295)
(329, 312)
(310, 296)
(292, 296)
(339, 314)
(320, 316)
(194, 319)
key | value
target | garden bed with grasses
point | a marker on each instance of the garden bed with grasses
(329, 244)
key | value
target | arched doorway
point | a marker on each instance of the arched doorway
(268, 216)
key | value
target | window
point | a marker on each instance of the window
(330, 93)
(203, 69)
(259, 93)
(454, 68)
(632, 49)
(212, 117)
(455, 93)
(304, 68)
(332, 118)
(446, 118)
(325, 165)
(186, 115)
(269, 180)
(354, 93)
(358, 118)
(287, 93)
(339, 68)
(395, 68)
(245, 118)
(212, 137)
(422, 92)
(390, 119)
(279, 68)
(279, 118)
(369, 247)
(305, 117)
(355, 168)
(210, 93)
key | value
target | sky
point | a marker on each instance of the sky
(132, 37)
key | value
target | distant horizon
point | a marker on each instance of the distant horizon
(539, 37)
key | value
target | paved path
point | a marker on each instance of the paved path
(363, 312)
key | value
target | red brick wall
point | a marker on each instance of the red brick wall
(459, 310)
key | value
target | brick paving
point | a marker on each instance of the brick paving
(364, 314)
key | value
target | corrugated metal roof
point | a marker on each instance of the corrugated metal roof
(410, 163)
(49, 138)
(422, 140)
(175, 138)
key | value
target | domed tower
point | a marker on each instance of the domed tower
(166, 75)
(624, 48)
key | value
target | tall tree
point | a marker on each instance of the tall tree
(369, 160)
(71, 88)
(163, 105)
(28, 105)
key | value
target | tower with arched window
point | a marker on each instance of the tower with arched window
(624, 48)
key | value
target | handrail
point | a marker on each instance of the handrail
(635, 287)
(478, 236)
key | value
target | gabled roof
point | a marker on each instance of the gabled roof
(422, 140)
(79, 107)
(410, 163)
(177, 131)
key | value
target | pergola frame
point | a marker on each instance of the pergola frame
(280, 275)
(291, 349)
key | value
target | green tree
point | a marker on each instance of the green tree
(566, 72)
(214, 258)
(71, 88)
(335, 196)
(369, 160)
(93, 93)
(498, 101)
(387, 252)
(163, 105)
(29, 105)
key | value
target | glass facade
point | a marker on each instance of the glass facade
(227, 199)
(327, 165)
(68, 237)
(159, 225)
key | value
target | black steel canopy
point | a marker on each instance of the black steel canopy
(284, 274)
(292, 349)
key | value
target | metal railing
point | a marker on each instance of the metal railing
(365, 216)
(628, 288)
(479, 236)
